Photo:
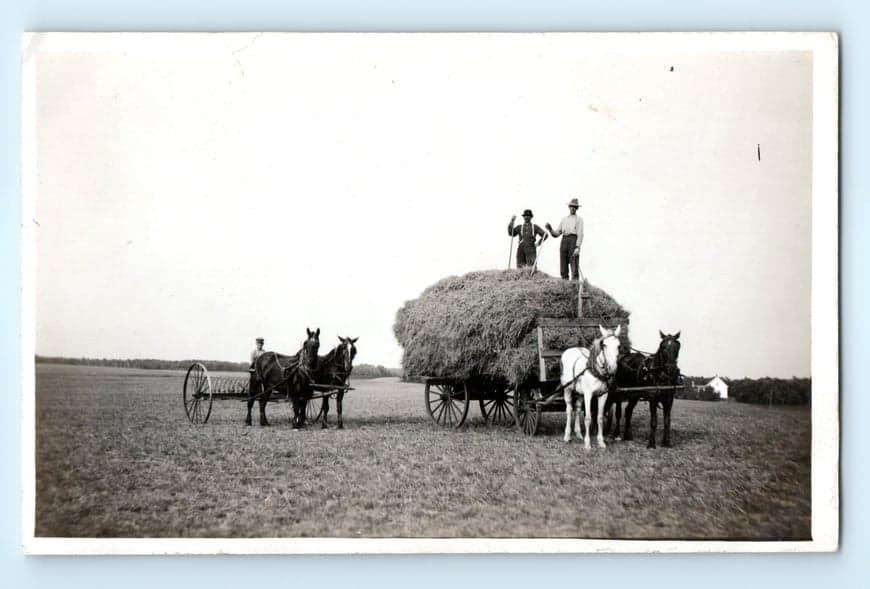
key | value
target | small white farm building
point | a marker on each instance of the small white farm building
(718, 384)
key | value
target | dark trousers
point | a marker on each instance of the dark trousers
(525, 256)
(566, 256)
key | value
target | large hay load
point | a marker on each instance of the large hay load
(482, 325)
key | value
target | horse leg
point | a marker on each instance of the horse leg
(578, 409)
(626, 430)
(263, 420)
(667, 403)
(602, 403)
(587, 419)
(653, 410)
(569, 409)
(296, 424)
(616, 435)
(252, 387)
(338, 407)
(324, 408)
(302, 408)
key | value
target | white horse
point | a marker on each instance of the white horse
(588, 373)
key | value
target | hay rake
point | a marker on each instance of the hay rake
(201, 389)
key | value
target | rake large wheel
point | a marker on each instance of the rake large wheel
(498, 405)
(528, 413)
(197, 394)
(446, 403)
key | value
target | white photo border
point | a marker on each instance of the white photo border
(825, 315)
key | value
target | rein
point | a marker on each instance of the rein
(278, 362)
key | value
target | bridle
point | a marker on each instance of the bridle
(660, 362)
(596, 353)
(602, 373)
(341, 364)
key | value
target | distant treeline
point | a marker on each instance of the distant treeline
(762, 391)
(359, 371)
(774, 391)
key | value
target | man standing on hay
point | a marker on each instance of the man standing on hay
(571, 230)
(526, 250)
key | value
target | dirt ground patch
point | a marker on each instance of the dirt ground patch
(116, 457)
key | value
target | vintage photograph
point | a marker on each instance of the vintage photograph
(430, 292)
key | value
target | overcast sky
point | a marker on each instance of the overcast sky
(194, 194)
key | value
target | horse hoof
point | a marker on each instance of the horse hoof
(248, 422)
(651, 446)
(324, 426)
(340, 426)
(602, 445)
(666, 444)
(617, 439)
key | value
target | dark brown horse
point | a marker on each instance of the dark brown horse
(334, 369)
(291, 375)
(640, 370)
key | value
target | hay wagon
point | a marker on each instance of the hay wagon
(505, 403)
(522, 404)
(201, 389)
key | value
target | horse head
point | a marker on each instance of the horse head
(667, 354)
(346, 353)
(308, 354)
(609, 344)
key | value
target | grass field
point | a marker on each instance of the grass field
(116, 457)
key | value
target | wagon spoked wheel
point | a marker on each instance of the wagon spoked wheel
(197, 394)
(528, 413)
(447, 403)
(498, 409)
(313, 410)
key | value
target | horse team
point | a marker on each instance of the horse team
(297, 377)
(597, 373)
(601, 372)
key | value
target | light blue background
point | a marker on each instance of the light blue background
(849, 18)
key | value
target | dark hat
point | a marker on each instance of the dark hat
(574, 203)
(260, 340)
(528, 213)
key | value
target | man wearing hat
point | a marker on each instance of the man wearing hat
(258, 351)
(253, 386)
(527, 231)
(571, 230)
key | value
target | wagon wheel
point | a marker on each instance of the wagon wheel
(313, 410)
(446, 403)
(528, 413)
(498, 409)
(197, 394)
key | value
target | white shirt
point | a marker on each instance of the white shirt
(571, 225)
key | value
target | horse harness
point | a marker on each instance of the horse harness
(591, 366)
(658, 366)
(292, 367)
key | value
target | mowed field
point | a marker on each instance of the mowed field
(116, 457)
